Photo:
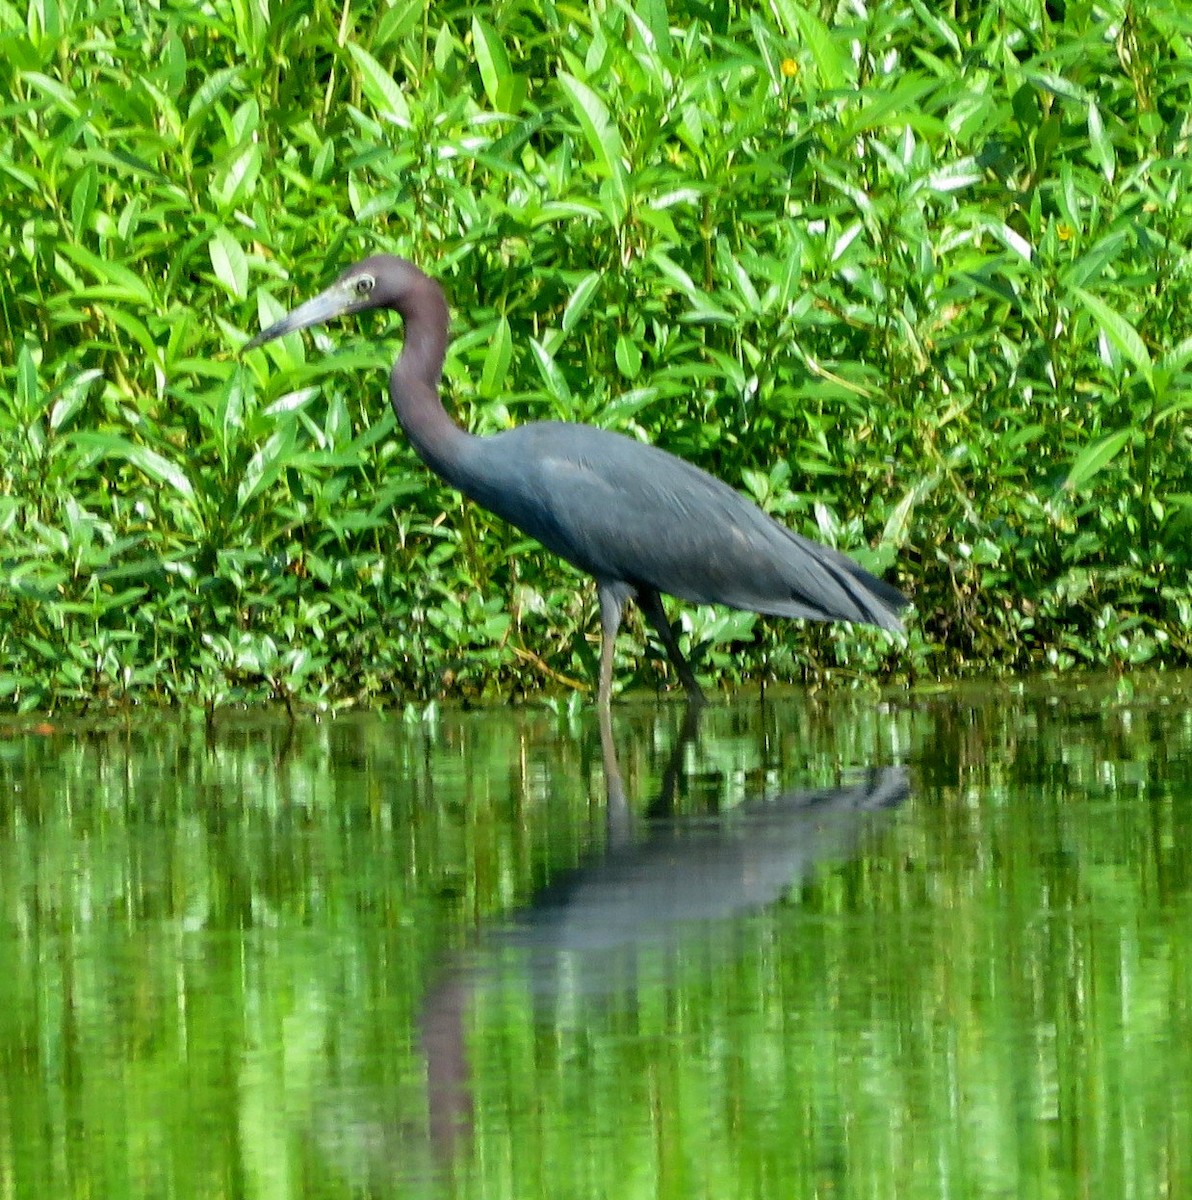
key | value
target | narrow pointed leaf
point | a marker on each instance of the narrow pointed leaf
(554, 379)
(495, 72)
(496, 360)
(1102, 147)
(265, 466)
(600, 132)
(229, 263)
(1095, 458)
(159, 468)
(581, 297)
(380, 88)
(1119, 331)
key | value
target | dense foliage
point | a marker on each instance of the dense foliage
(914, 276)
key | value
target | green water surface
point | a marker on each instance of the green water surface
(933, 946)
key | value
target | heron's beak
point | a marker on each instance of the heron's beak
(334, 302)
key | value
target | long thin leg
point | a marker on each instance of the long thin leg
(663, 805)
(650, 603)
(612, 604)
(617, 813)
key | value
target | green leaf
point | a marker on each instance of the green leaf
(380, 88)
(1011, 239)
(675, 273)
(898, 523)
(28, 393)
(268, 462)
(1057, 85)
(651, 21)
(496, 360)
(71, 397)
(554, 379)
(137, 330)
(1095, 458)
(601, 134)
(1182, 405)
(159, 468)
(629, 357)
(1102, 147)
(210, 90)
(124, 284)
(229, 263)
(938, 25)
(55, 90)
(581, 297)
(82, 199)
(1093, 261)
(1176, 359)
(495, 71)
(1119, 331)
(238, 178)
(291, 402)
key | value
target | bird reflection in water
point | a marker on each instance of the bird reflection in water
(621, 921)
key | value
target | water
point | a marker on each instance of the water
(936, 946)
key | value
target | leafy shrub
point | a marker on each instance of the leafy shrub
(916, 281)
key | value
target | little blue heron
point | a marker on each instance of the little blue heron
(637, 519)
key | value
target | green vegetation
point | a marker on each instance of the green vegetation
(916, 279)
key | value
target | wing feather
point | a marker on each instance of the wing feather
(628, 512)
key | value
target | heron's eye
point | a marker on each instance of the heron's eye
(364, 284)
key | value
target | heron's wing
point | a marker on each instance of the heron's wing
(625, 511)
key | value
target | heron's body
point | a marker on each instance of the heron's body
(639, 520)
(630, 514)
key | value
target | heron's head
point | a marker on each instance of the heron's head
(381, 281)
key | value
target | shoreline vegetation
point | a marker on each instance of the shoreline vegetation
(917, 281)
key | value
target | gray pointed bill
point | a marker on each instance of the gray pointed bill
(334, 302)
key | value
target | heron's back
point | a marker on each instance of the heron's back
(627, 512)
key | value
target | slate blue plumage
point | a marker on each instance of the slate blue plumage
(639, 520)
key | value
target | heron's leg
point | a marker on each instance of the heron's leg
(617, 813)
(651, 604)
(612, 604)
(663, 805)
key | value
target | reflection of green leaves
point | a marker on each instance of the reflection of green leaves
(315, 985)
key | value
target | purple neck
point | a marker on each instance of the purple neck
(414, 381)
